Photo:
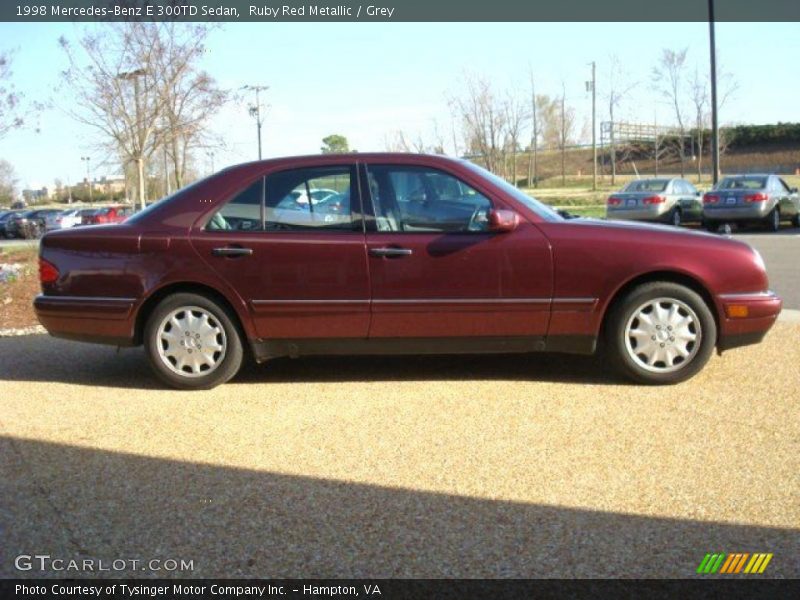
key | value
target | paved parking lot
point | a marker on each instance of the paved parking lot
(468, 466)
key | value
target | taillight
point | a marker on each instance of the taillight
(757, 197)
(47, 272)
(614, 201)
(654, 200)
(710, 199)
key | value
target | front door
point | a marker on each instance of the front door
(435, 269)
(292, 245)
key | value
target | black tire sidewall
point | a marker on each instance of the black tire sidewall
(621, 312)
(234, 352)
(676, 216)
(774, 220)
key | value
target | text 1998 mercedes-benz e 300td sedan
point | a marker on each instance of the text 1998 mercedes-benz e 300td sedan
(393, 253)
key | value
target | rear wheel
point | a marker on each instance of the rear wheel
(796, 220)
(711, 226)
(774, 220)
(675, 219)
(660, 333)
(192, 342)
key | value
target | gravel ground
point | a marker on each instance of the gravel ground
(527, 466)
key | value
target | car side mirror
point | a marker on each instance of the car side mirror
(793, 190)
(502, 221)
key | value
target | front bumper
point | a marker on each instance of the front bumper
(745, 318)
(89, 319)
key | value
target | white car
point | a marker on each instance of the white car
(67, 219)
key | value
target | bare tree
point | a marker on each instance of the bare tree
(533, 163)
(668, 78)
(8, 183)
(9, 99)
(548, 113)
(483, 119)
(618, 89)
(137, 86)
(566, 127)
(699, 96)
(515, 117)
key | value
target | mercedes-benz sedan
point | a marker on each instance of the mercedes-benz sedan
(425, 254)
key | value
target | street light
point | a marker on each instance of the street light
(255, 110)
(134, 75)
(714, 117)
(88, 176)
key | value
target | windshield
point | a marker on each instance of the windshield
(543, 210)
(742, 183)
(647, 185)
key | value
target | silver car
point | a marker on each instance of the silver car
(663, 200)
(751, 199)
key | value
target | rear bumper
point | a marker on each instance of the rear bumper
(755, 211)
(761, 310)
(656, 212)
(90, 319)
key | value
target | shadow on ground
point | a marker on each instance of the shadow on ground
(46, 359)
(79, 503)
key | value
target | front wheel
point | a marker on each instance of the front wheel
(192, 342)
(660, 333)
(796, 220)
(675, 219)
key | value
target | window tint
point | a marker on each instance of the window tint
(242, 213)
(742, 183)
(416, 199)
(312, 198)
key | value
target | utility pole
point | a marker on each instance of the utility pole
(88, 176)
(255, 110)
(210, 155)
(714, 116)
(593, 86)
(655, 129)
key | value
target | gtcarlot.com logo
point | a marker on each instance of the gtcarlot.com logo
(45, 562)
(734, 563)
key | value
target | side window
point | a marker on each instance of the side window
(310, 198)
(783, 187)
(242, 212)
(419, 199)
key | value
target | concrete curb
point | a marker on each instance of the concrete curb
(22, 331)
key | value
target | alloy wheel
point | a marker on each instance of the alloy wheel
(191, 341)
(663, 335)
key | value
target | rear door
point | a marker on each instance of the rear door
(435, 269)
(300, 267)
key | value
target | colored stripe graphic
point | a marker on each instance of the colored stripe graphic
(723, 563)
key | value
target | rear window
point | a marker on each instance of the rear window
(647, 185)
(742, 183)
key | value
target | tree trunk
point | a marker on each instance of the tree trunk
(140, 175)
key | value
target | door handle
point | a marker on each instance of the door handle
(232, 251)
(391, 252)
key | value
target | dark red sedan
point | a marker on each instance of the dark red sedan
(106, 215)
(394, 253)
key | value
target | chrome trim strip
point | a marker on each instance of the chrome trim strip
(85, 299)
(435, 301)
(321, 301)
(740, 295)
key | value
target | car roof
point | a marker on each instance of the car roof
(333, 159)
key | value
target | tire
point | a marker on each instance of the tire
(178, 358)
(773, 222)
(675, 217)
(660, 361)
(711, 226)
(796, 220)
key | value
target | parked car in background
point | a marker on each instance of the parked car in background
(107, 215)
(429, 255)
(52, 220)
(30, 223)
(673, 201)
(4, 220)
(68, 218)
(751, 200)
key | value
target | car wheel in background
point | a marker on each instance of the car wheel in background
(675, 218)
(193, 342)
(774, 220)
(796, 220)
(710, 226)
(660, 333)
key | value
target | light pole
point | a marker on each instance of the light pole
(255, 110)
(714, 117)
(134, 75)
(88, 176)
(210, 155)
(592, 85)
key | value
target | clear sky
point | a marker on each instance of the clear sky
(366, 80)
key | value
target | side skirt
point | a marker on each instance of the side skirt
(264, 350)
